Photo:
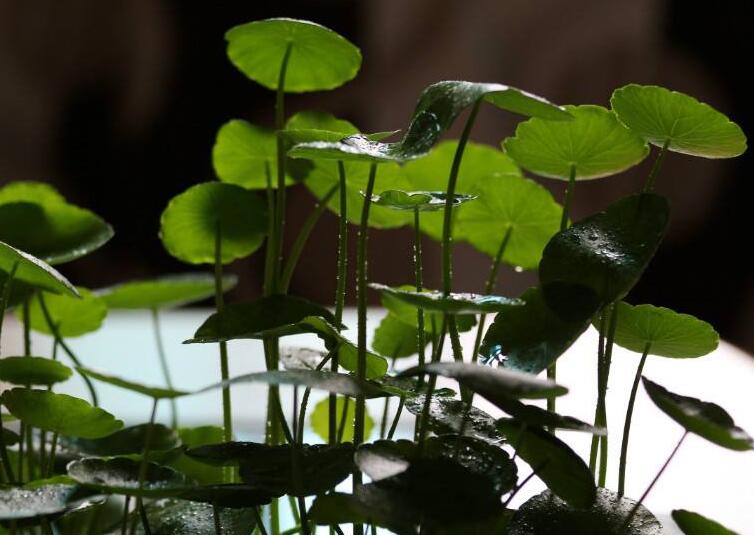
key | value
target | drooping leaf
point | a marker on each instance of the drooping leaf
(455, 303)
(35, 218)
(151, 391)
(127, 441)
(319, 121)
(120, 475)
(707, 420)
(176, 517)
(689, 126)
(669, 333)
(192, 437)
(258, 318)
(170, 291)
(370, 504)
(509, 204)
(406, 312)
(446, 415)
(396, 339)
(348, 359)
(232, 495)
(599, 259)
(493, 384)
(59, 413)
(320, 419)
(555, 463)
(546, 514)
(531, 337)
(319, 58)
(531, 415)
(190, 223)
(35, 501)
(32, 271)
(424, 201)
(695, 524)
(74, 316)
(33, 371)
(594, 143)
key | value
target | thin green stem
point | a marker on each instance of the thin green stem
(124, 521)
(259, 521)
(143, 516)
(594, 450)
(342, 423)
(418, 272)
(489, 287)
(609, 343)
(164, 365)
(340, 290)
(21, 447)
(30, 464)
(27, 328)
(627, 422)
(652, 177)
(396, 418)
(144, 465)
(269, 252)
(224, 368)
(424, 420)
(50, 466)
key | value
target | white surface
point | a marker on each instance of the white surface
(703, 477)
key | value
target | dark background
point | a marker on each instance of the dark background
(117, 103)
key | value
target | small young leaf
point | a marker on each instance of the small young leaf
(707, 420)
(455, 303)
(33, 371)
(555, 463)
(491, 383)
(153, 392)
(688, 126)
(169, 291)
(35, 218)
(74, 316)
(127, 441)
(320, 419)
(424, 201)
(594, 143)
(319, 58)
(172, 517)
(190, 223)
(59, 413)
(695, 524)
(32, 271)
(668, 333)
(546, 514)
(531, 337)
(599, 259)
(120, 475)
(446, 415)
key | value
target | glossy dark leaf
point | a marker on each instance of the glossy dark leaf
(534, 416)
(369, 504)
(531, 337)
(32, 271)
(59, 413)
(599, 259)
(74, 316)
(120, 475)
(424, 201)
(556, 464)
(127, 441)
(169, 291)
(695, 524)
(705, 419)
(406, 312)
(455, 303)
(546, 514)
(177, 517)
(33, 371)
(231, 495)
(151, 391)
(446, 416)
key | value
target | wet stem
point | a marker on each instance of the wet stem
(340, 291)
(143, 466)
(219, 305)
(649, 184)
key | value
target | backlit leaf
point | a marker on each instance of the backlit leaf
(169, 291)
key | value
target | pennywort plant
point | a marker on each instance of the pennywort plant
(70, 466)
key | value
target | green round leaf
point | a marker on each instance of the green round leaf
(407, 313)
(126, 441)
(695, 524)
(74, 316)
(319, 58)
(424, 201)
(175, 517)
(320, 419)
(707, 420)
(509, 203)
(32, 271)
(192, 219)
(688, 126)
(491, 383)
(170, 291)
(21, 503)
(594, 143)
(668, 333)
(33, 371)
(446, 415)
(531, 337)
(546, 514)
(319, 121)
(599, 259)
(153, 392)
(59, 413)
(455, 303)
(120, 475)
(556, 464)
(396, 339)
(36, 219)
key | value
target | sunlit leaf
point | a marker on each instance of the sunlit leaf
(705, 419)
(424, 201)
(406, 312)
(151, 391)
(692, 523)
(320, 419)
(33, 371)
(74, 316)
(687, 125)
(169, 291)
(455, 303)
(32, 271)
(594, 143)
(120, 475)
(192, 219)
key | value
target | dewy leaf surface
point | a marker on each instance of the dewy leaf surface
(446, 415)
(168, 291)
(424, 201)
(189, 224)
(319, 59)
(175, 517)
(546, 514)
(692, 523)
(74, 316)
(25, 503)
(59, 413)
(660, 115)
(669, 333)
(455, 303)
(598, 260)
(705, 419)
(120, 475)
(33, 271)
(594, 143)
